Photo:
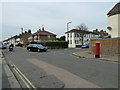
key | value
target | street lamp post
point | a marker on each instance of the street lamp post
(68, 26)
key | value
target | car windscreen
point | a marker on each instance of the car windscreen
(30, 45)
(39, 45)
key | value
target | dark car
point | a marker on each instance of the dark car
(36, 47)
(86, 46)
(2, 46)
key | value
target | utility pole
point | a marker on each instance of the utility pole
(68, 26)
(21, 30)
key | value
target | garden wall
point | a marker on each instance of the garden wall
(107, 46)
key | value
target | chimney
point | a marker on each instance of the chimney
(29, 31)
(101, 30)
(96, 30)
(19, 34)
(21, 30)
(42, 28)
(25, 31)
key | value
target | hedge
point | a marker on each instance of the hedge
(59, 44)
(53, 44)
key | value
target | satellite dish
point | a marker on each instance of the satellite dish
(109, 28)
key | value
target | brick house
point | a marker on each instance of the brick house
(24, 37)
(42, 35)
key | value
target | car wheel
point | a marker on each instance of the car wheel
(29, 49)
(38, 50)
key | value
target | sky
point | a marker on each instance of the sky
(54, 16)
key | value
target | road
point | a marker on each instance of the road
(60, 66)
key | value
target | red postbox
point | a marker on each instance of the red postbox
(97, 50)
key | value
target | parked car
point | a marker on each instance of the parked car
(36, 47)
(86, 46)
(2, 46)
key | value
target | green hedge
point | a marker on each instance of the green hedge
(53, 44)
(62, 44)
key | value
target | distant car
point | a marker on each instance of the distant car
(2, 46)
(86, 46)
(36, 47)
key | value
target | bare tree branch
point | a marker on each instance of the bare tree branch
(82, 28)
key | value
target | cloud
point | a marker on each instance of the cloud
(53, 15)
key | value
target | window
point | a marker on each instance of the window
(75, 35)
(49, 36)
(88, 35)
(75, 41)
(68, 34)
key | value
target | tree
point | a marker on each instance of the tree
(83, 30)
(62, 38)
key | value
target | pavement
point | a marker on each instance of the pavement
(88, 54)
(7, 78)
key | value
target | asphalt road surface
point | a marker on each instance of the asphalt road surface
(61, 67)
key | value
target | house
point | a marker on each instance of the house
(18, 39)
(24, 37)
(74, 37)
(42, 35)
(11, 40)
(102, 33)
(114, 21)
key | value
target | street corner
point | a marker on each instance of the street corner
(83, 54)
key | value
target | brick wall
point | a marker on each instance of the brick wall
(25, 37)
(107, 46)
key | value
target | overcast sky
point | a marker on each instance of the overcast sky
(54, 16)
